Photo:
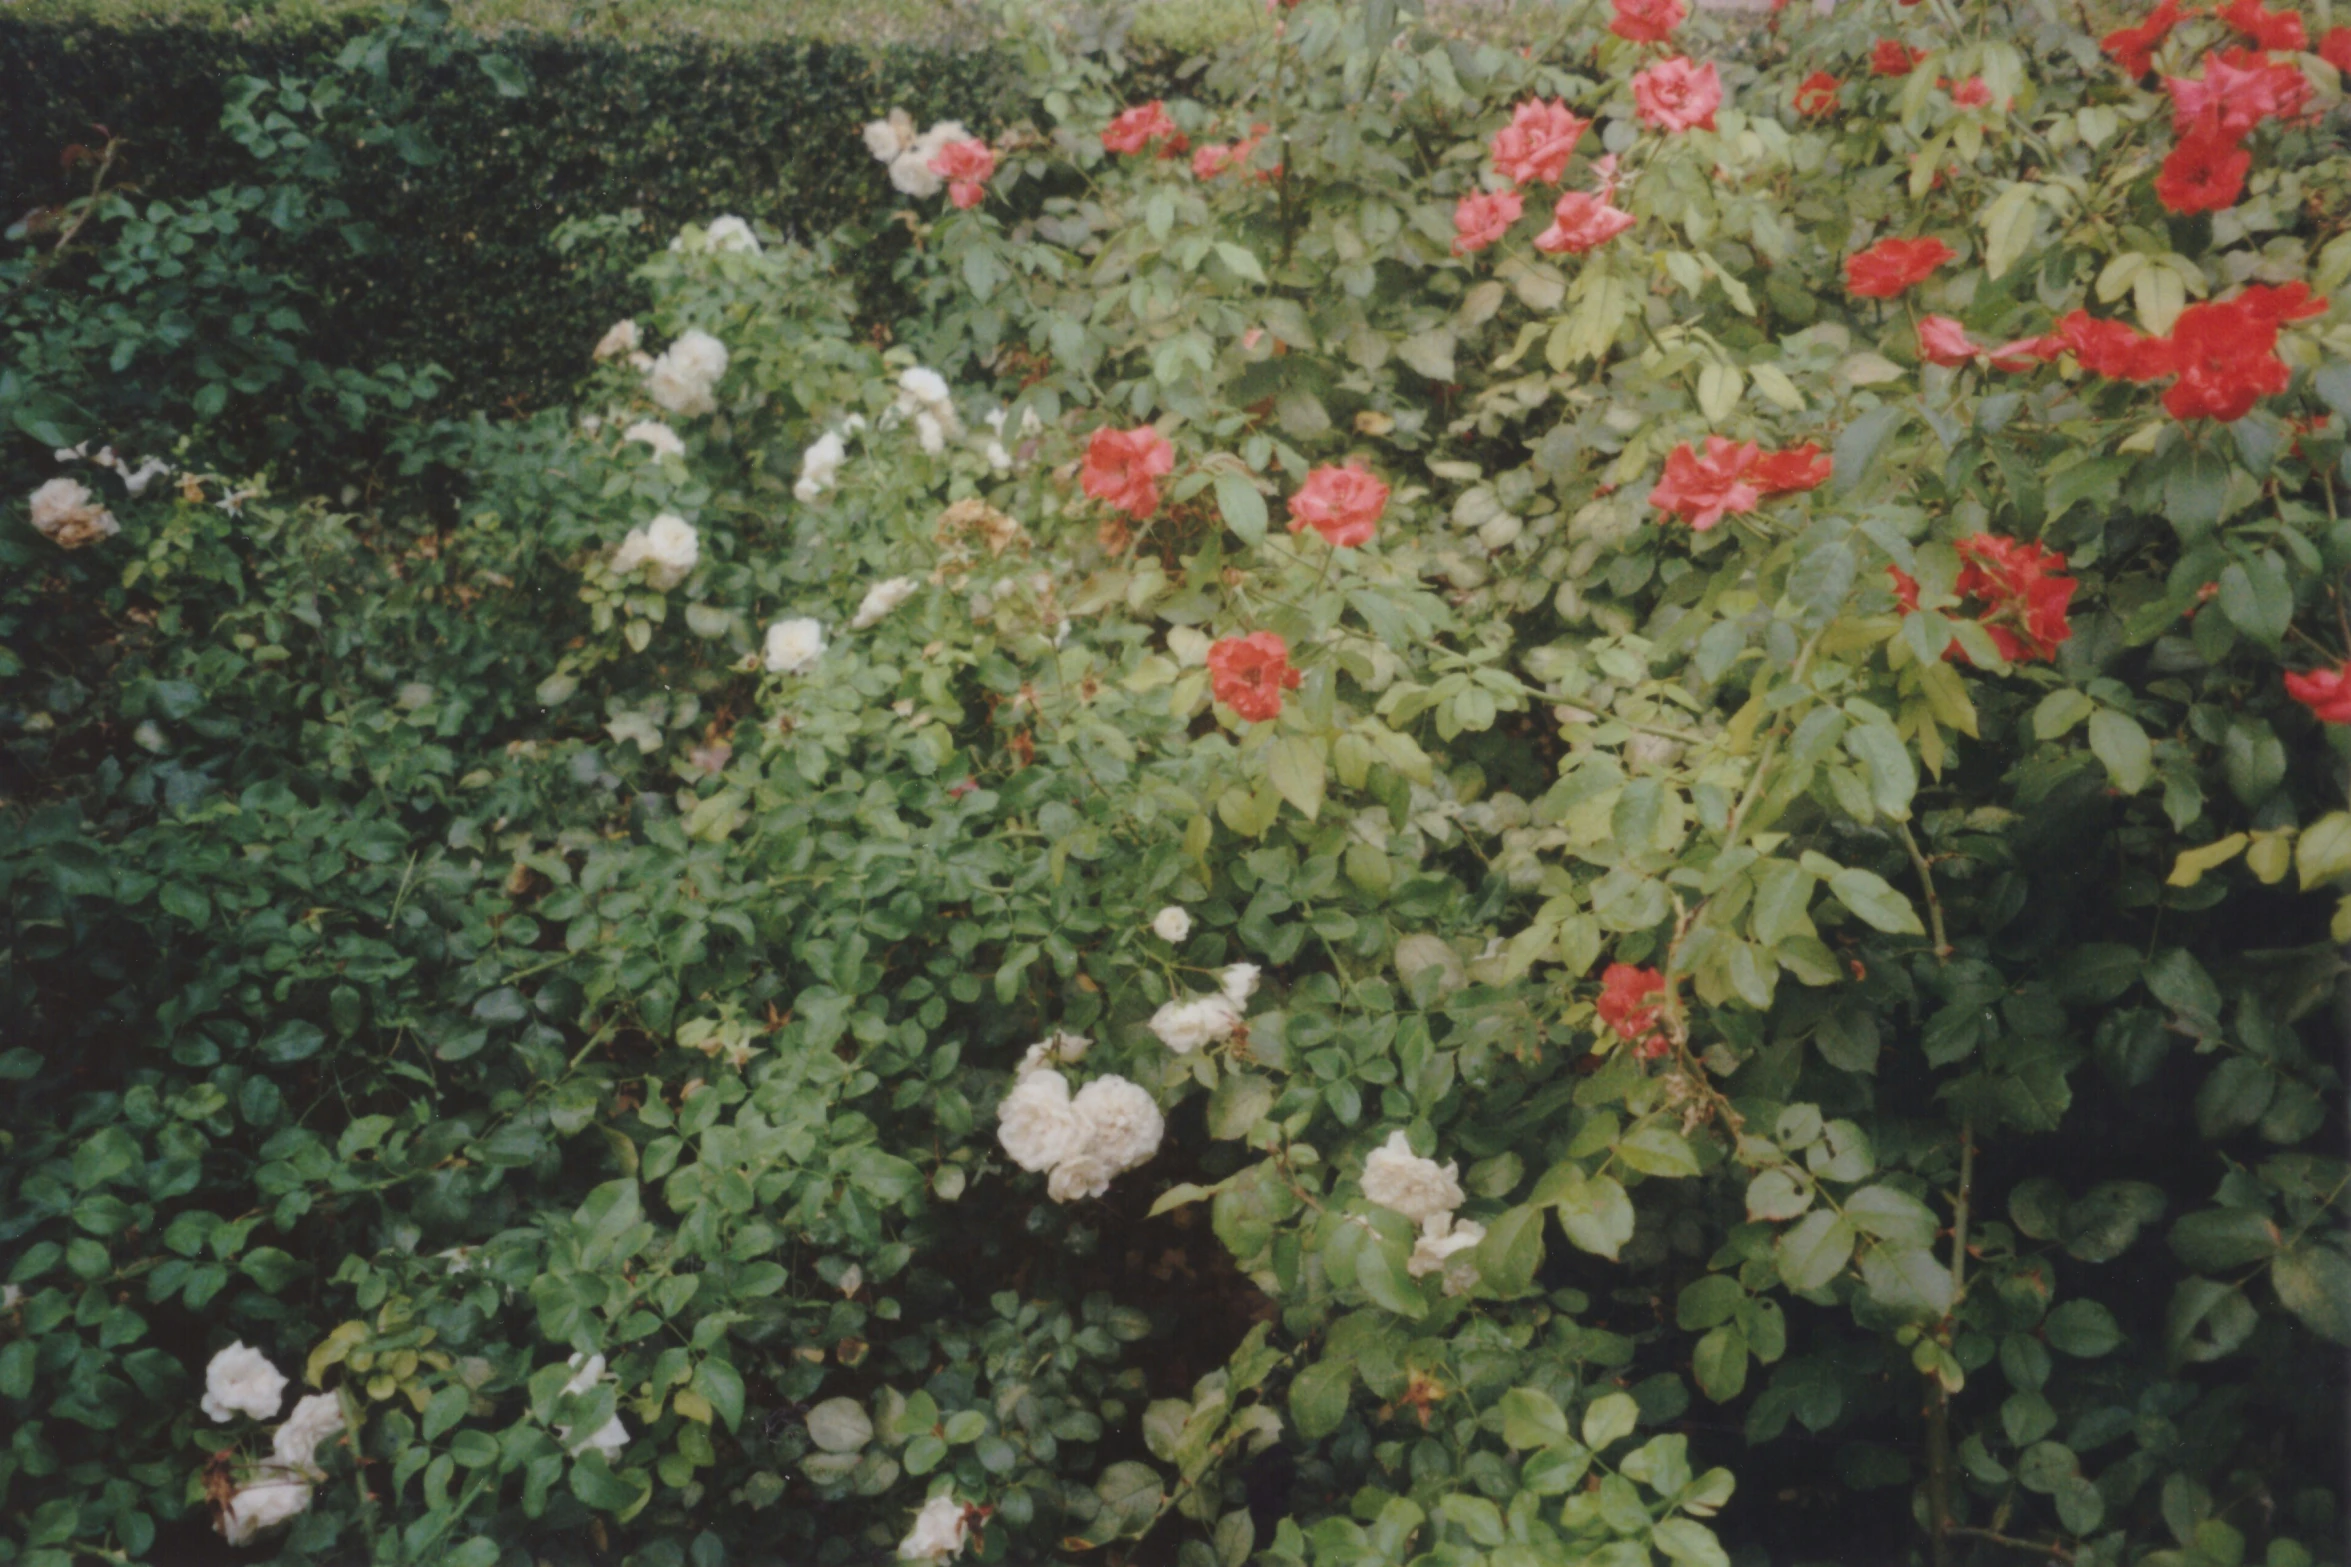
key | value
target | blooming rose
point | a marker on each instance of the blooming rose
(2240, 88)
(311, 1422)
(1171, 924)
(1893, 265)
(1675, 95)
(1478, 221)
(1647, 21)
(880, 599)
(681, 380)
(1537, 142)
(1803, 467)
(2335, 49)
(659, 436)
(2226, 357)
(2268, 29)
(2114, 349)
(1440, 1239)
(2326, 692)
(1974, 93)
(65, 513)
(726, 233)
(620, 338)
(1420, 1189)
(1136, 128)
(2133, 48)
(1249, 674)
(820, 466)
(2204, 172)
(1893, 58)
(793, 645)
(1036, 1125)
(1703, 490)
(2021, 600)
(1238, 982)
(273, 1498)
(1123, 1123)
(937, 1534)
(2280, 303)
(1341, 504)
(966, 165)
(1216, 157)
(609, 1438)
(1058, 1046)
(1943, 341)
(910, 165)
(666, 550)
(1184, 1026)
(1580, 222)
(1122, 468)
(241, 1381)
(1631, 999)
(1816, 95)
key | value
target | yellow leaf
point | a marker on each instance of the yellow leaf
(2271, 855)
(2193, 863)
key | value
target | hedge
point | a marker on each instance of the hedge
(469, 276)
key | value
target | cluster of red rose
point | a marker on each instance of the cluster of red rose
(1671, 95)
(1248, 673)
(966, 167)
(2241, 87)
(1631, 1001)
(1147, 128)
(2019, 598)
(1732, 478)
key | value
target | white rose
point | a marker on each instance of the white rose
(1082, 1175)
(612, 1436)
(882, 598)
(929, 434)
(1036, 1123)
(937, 1534)
(1420, 1189)
(911, 173)
(793, 645)
(881, 139)
(147, 472)
(1440, 1239)
(241, 1381)
(1122, 1120)
(652, 432)
(263, 1505)
(820, 466)
(620, 338)
(730, 233)
(1172, 924)
(1240, 982)
(923, 388)
(65, 513)
(312, 1421)
(1184, 1026)
(998, 458)
(682, 378)
(1056, 1048)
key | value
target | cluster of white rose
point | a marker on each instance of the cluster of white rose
(665, 441)
(665, 550)
(894, 142)
(241, 1381)
(1425, 1192)
(612, 1436)
(685, 376)
(727, 233)
(923, 397)
(1081, 1141)
(1190, 1022)
(820, 465)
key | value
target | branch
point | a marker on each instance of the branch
(1926, 879)
(2056, 1553)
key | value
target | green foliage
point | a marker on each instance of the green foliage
(446, 950)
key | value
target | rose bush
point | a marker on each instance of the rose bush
(1742, 911)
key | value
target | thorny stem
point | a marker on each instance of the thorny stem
(1926, 879)
(1939, 1407)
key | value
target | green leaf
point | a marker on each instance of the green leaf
(1719, 1362)
(1531, 1418)
(2082, 1328)
(1241, 259)
(1296, 768)
(722, 1385)
(1318, 1397)
(1240, 1101)
(2122, 745)
(2234, 1097)
(1656, 1149)
(1879, 905)
(1597, 1215)
(2216, 1240)
(1511, 1253)
(1814, 1250)
(1907, 1279)
(2059, 711)
(1610, 1418)
(1857, 447)
(1383, 1278)
(2314, 1283)
(1132, 1492)
(1891, 1214)
(511, 80)
(2324, 852)
(2256, 598)
(1689, 1543)
(1243, 506)
(446, 1408)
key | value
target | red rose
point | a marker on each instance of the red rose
(2268, 29)
(1803, 467)
(1890, 58)
(2335, 48)
(2227, 361)
(1478, 221)
(1580, 223)
(2114, 349)
(1631, 999)
(1974, 93)
(1249, 674)
(1674, 95)
(1341, 504)
(2280, 303)
(1537, 142)
(1647, 21)
(1816, 95)
(1893, 265)
(2024, 600)
(2133, 48)
(2238, 90)
(2204, 172)
(1703, 490)
(2326, 692)
(1138, 128)
(1122, 466)
(2024, 353)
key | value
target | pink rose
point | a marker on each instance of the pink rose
(1341, 504)
(1478, 221)
(1675, 95)
(1537, 142)
(1580, 223)
(1943, 341)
